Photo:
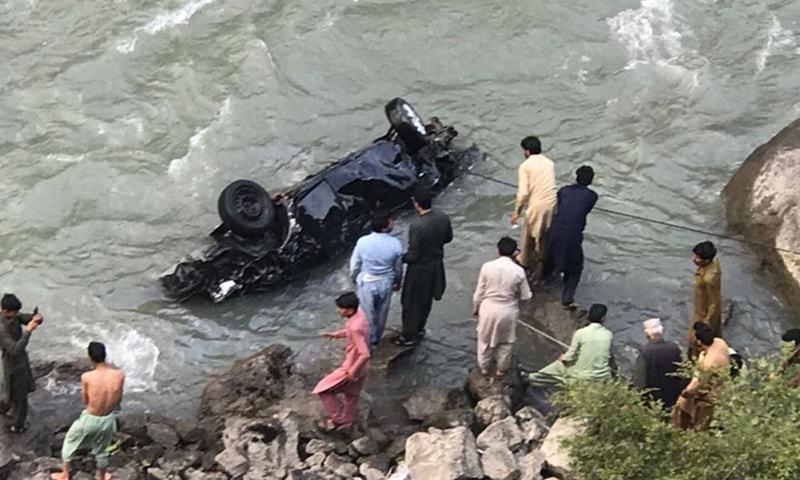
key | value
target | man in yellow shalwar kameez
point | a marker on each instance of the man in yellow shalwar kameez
(536, 193)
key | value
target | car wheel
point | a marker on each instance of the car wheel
(407, 123)
(246, 208)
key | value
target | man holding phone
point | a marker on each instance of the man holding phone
(15, 331)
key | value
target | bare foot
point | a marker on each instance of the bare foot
(59, 476)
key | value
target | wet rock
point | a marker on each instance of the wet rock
(260, 445)
(156, 473)
(251, 386)
(7, 459)
(503, 432)
(557, 458)
(189, 431)
(178, 461)
(379, 436)
(425, 402)
(443, 455)
(531, 465)
(763, 203)
(148, 454)
(499, 464)
(490, 410)
(340, 466)
(161, 433)
(463, 417)
(38, 469)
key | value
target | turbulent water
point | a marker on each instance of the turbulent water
(120, 122)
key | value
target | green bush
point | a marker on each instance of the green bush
(754, 434)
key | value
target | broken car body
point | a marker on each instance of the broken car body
(263, 242)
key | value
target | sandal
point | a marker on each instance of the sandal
(326, 426)
(402, 342)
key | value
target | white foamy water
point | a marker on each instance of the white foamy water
(777, 38)
(179, 168)
(649, 33)
(136, 355)
(162, 22)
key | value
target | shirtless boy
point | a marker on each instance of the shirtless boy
(95, 428)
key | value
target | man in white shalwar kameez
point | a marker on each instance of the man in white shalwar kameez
(502, 284)
(536, 194)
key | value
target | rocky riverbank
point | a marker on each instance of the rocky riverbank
(257, 421)
(763, 204)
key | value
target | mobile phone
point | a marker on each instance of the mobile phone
(35, 311)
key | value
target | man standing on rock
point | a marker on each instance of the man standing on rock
(707, 289)
(695, 406)
(589, 355)
(425, 278)
(536, 193)
(656, 365)
(101, 391)
(15, 332)
(349, 378)
(564, 253)
(376, 267)
(501, 286)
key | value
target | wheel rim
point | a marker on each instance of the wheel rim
(248, 203)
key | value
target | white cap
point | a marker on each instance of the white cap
(653, 326)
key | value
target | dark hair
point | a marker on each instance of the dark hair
(701, 326)
(792, 335)
(423, 195)
(531, 144)
(597, 312)
(97, 352)
(10, 302)
(705, 250)
(584, 175)
(506, 246)
(347, 300)
(704, 335)
(380, 220)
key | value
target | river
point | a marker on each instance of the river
(121, 121)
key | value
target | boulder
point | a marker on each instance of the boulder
(530, 465)
(380, 461)
(533, 430)
(248, 388)
(257, 446)
(490, 410)
(499, 464)
(425, 402)
(557, 458)
(443, 455)
(762, 203)
(503, 432)
(162, 433)
(315, 460)
(528, 413)
(193, 474)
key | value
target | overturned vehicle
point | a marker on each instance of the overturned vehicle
(263, 242)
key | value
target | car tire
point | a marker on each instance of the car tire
(246, 208)
(408, 124)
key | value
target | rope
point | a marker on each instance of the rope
(657, 222)
(536, 330)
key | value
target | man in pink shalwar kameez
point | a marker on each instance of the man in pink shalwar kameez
(349, 378)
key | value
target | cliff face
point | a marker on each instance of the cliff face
(762, 201)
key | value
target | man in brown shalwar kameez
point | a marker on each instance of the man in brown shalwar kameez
(536, 193)
(501, 286)
(707, 289)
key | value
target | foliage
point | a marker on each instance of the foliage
(754, 434)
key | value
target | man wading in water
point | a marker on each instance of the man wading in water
(101, 390)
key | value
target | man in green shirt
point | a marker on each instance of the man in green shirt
(589, 355)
